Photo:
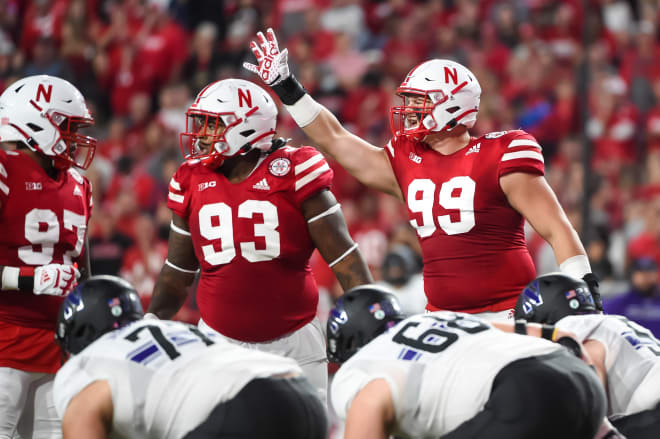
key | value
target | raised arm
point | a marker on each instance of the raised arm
(327, 227)
(177, 274)
(366, 162)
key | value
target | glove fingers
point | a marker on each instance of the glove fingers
(251, 67)
(262, 41)
(284, 57)
(256, 50)
(270, 35)
(76, 273)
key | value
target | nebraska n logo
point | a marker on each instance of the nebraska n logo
(41, 90)
(244, 95)
(531, 297)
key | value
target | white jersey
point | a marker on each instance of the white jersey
(632, 359)
(439, 366)
(165, 376)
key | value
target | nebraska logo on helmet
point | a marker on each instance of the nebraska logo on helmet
(437, 95)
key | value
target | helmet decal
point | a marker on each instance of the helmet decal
(41, 91)
(531, 297)
(244, 95)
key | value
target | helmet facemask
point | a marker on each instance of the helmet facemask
(73, 148)
(204, 138)
(423, 113)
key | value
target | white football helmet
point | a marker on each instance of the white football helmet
(228, 117)
(45, 112)
(447, 95)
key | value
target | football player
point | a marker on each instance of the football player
(467, 197)
(455, 375)
(625, 354)
(249, 210)
(45, 205)
(134, 378)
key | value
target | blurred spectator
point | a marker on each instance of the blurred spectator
(647, 244)
(401, 273)
(596, 243)
(45, 60)
(142, 262)
(641, 302)
(201, 66)
(346, 17)
(161, 47)
(106, 244)
(42, 20)
(8, 61)
(348, 65)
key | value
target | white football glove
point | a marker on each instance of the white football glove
(55, 279)
(273, 66)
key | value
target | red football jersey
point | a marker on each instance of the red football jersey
(252, 242)
(44, 222)
(473, 244)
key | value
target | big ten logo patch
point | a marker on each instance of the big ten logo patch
(205, 185)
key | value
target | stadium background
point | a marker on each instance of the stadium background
(580, 75)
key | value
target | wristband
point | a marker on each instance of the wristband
(150, 316)
(571, 344)
(289, 90)
(15, 278)
(576, 266)
(520, 327)
(304, 111)
(10, 277)
(548, 332)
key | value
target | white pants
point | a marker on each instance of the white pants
(306, 346)
(27, 410)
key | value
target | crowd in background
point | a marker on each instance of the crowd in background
(139, 63)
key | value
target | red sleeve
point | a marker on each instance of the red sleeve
(311, 173)
(520, 153)
(178, 197)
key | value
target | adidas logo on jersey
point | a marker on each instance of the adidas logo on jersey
(262, 184)
(77, 191)
(473, 148)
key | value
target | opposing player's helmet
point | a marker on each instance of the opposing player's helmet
(245, 113)
(553, 296)
(359, 316)
(448, 96)
(96, 306)
(45, 112)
